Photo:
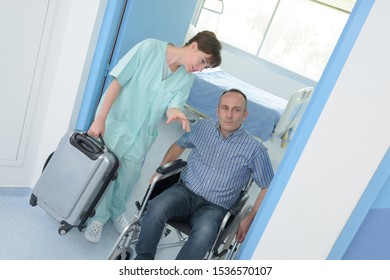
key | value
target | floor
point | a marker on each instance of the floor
(29, 233)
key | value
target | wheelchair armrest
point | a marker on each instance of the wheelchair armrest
(239, 204)
(171, 166)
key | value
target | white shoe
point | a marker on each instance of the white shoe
(120, 223)
(93, 232)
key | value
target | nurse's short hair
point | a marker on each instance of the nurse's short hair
(208, 43)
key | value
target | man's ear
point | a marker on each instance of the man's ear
(246, 114)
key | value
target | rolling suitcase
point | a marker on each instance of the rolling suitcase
(74, 179)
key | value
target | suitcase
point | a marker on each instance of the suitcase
(74, 179)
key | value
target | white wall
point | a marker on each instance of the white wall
(254, 72)
(259, 75)
(69, 38)
(25, 26)
(346, 146)
(78, 36)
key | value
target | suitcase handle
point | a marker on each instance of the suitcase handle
(88, 145)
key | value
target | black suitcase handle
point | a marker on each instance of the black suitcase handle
(91, 147)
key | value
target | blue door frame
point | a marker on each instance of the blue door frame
(100, 63)
(366, 234)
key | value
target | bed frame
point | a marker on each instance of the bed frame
(269, 115)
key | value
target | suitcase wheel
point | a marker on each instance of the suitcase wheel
(81, 227)
(93, 212)
(64, 228)
(33, 200)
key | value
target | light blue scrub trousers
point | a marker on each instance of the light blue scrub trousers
(114, 201)
(180, 204)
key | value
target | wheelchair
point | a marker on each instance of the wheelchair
(224, 247)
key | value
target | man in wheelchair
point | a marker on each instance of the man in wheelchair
(223, 158)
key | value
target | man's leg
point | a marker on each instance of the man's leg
(205, 223)
(173, 203)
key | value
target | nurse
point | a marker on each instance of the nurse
(154, 78)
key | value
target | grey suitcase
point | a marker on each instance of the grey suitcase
(74, 178)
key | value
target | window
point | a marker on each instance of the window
(298, 35)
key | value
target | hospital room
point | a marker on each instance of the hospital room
(59, 61)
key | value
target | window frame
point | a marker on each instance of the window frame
(343, 5)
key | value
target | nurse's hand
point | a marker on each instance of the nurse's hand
(97, 128)
(174, 114)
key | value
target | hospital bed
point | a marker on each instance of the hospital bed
(269, 116)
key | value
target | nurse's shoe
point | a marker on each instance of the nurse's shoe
(120, 223)
(93, 232)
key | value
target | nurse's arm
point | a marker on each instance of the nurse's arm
(174, 114)
(98, 126)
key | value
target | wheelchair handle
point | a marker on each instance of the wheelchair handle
(171, 166)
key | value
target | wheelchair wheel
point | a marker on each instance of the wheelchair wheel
(122, 254)
(227, 247)
(123, 248)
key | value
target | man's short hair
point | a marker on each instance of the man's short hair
(236, 91)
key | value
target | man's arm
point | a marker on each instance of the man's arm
(173, 153)
(247, 221)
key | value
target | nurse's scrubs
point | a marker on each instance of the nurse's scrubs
(131, 125)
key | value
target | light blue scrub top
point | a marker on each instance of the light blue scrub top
(131, 125)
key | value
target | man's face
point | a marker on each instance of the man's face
(231, 112)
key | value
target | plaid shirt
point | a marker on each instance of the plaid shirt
(218, 168)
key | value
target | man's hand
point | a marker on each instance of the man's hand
(243, 229)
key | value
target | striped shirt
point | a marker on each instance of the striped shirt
(218, 168)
